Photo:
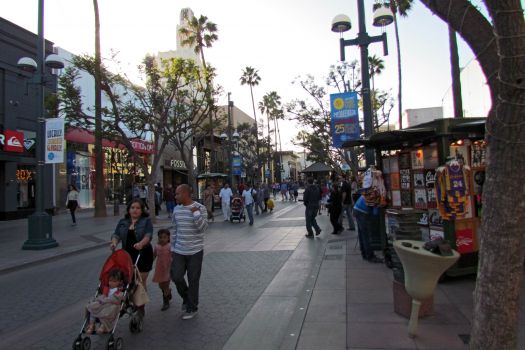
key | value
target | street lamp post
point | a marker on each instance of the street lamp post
(40, 232)
(340, 24)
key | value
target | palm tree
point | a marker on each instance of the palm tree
(251, 78)
(271, 105)
(376, 66)
(200, 33)
(100, 201)
(402, 7)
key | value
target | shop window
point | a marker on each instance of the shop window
(25, 180)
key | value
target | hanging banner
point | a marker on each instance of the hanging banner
(344, 118)
(237, 164)
(55, 140)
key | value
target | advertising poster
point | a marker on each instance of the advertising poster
(464, 241)
(417, 159)
(431, 198)
(236, 165)
(344, 118)
(394, 181)
(461, 153)
(405, 179)
(431, 160)
(406, 199)
(55, 140)
(396, 198)
(420, 198)
(478, 153)
(419, 180)
(404, 161)
(430, 178)
(436, 233)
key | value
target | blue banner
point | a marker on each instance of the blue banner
(237, 165)
(345, 118)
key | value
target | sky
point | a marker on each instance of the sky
(283, 39)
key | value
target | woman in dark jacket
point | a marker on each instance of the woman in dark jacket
(335, 206)
(135, 231)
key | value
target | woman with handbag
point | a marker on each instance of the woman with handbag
(135, 231)
(72, 202)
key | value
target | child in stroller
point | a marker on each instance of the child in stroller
(113, 299)
(237, 209)
(105, 308)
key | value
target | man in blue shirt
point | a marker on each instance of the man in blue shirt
(364, 216)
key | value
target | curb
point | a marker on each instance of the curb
(27, 264)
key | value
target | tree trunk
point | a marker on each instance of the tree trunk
(256, 136)
(456, 73)
(500, 51)
(100, 198)
(500, 275)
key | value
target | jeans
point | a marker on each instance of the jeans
(363, 226)
(226, 210)
(335, 214)
(169, 207)
(249, 209)
(192, 265)
(310, 214)
(347, 208)
(258, 207)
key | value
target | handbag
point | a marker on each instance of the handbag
(140, 296)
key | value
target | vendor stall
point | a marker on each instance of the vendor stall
(438, 169)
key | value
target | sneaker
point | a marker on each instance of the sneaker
(317, 233)
(309, 235)
(188, 315)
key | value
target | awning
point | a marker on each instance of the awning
(477, 126)
(393, 139)
(317, 168)
(209, 175)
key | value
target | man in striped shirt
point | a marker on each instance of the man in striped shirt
(187, 244)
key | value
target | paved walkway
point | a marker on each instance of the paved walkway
(311, 294)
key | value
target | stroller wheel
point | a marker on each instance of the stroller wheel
(77, 344)
(119, 344)
(86, 343)
(111, 344)
(140, 325)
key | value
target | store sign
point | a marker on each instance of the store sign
(23, 175)
(55, 144)
(142, 146)
(13, 141)
(344, 118)
(175, 163)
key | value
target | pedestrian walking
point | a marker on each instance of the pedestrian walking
(72, 202)
(162, 254)
(266, 196)
(284, 191)
(169, 197)
(346, 190)
(335, 206)
(295, 188)
(311, 199)
(226, 195)
(247, 196)
(158, 201)
(143, 195)
(187, 245)
(364, 215)
(259, 200)
(208, 200)
(134, 232)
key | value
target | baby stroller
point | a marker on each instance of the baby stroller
(237, 208)
(121, 260)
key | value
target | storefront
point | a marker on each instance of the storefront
(437, 169)
(18, 174)
(120, 170)
(174, 172)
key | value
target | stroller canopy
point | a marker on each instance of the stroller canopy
(119, 260)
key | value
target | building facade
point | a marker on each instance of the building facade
(19, 110)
